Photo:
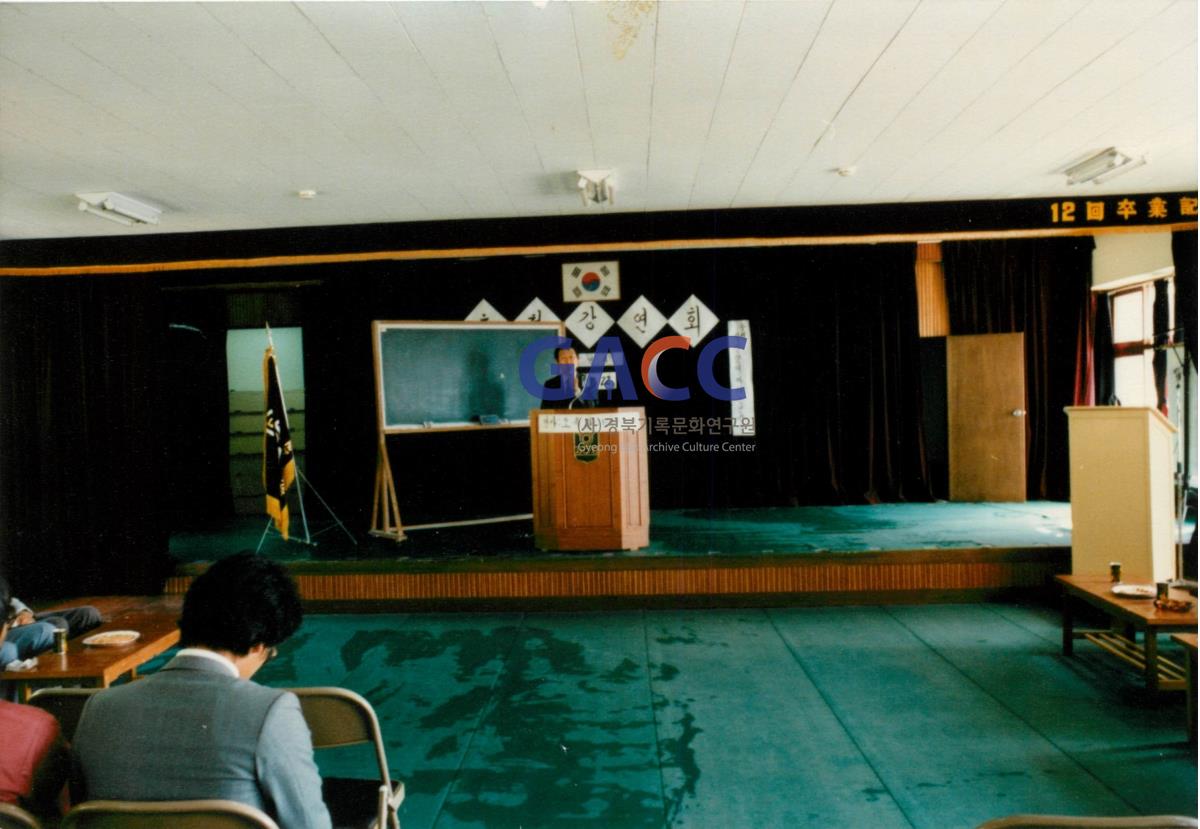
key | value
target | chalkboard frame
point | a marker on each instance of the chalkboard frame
(380, 327)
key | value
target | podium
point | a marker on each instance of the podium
(1122, 491)
(590, 484)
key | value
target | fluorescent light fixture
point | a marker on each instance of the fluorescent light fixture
(1103, 166)
(118, 208)
(596, 187)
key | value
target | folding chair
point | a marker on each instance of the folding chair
(177, 814)
(338, 717)
(1067, 822)
(66, 704)
(14, 817)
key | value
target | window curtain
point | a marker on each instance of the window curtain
(82, 437)
(1162, 338)
(1183, 248)
(1041, 287)
(1102, 351)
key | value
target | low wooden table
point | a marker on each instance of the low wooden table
(1188, 640)
(155, 618)
(1129, 617)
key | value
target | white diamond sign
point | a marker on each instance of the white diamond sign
(588, 323)
(693, 319)
(485, 312)
(641, 321)
(538, 311)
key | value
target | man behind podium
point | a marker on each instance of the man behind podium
(567, 361)
(199, 728)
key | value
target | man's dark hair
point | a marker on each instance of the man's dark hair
(239, 602)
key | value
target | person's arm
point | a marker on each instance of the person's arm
(21, 613)
(287, 773)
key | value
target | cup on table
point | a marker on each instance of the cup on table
(1115, 568)
(1162, 590)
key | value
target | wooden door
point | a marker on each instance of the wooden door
(985, 409)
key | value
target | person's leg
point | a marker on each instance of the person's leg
(31, 639)
(75, 620)
(8, 653)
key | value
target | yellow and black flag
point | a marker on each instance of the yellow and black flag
(279, 465)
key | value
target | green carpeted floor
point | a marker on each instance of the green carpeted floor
(919, 716)
(862, 528)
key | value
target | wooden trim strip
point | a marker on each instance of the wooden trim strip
(712, 581)
(420, 254)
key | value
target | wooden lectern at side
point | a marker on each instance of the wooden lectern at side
(590, 484)
(1122, 491)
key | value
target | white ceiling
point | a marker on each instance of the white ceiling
(219, 113)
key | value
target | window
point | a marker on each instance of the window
(1133, 344)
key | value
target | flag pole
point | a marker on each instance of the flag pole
(270, 342)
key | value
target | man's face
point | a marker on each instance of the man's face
(567, 355)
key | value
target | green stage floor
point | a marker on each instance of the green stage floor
(690, 532)
(861, 717)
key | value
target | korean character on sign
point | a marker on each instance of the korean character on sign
(639, 320)
(730, 423)
(536, 316)
(679, 425)
(696, 425)
(588, 317)
(630, 424)
(748, 423)
(714, 425)
(660, 424)
(610, 423)
(693, 319)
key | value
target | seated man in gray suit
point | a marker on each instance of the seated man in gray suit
(199, 728)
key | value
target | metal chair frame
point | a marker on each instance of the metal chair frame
(178, 814)
(340, 717)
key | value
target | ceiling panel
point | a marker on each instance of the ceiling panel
(772, 45)
(221, 112)
(693, 47)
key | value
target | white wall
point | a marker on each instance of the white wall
(244, 349)
(1120, 256)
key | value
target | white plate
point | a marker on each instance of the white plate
(1134, 591)
(112, 638)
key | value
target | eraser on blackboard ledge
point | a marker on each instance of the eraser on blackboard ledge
(489, 419)
(428, 424)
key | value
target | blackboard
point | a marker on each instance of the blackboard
(447, 375)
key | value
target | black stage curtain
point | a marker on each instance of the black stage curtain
(195, 381)
(114, 408)
(836, 367)
(1041, 287)
(1183, 248)
(82, 436)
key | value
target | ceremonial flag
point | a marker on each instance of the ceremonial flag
(279, 465)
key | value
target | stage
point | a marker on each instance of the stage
(870, 554)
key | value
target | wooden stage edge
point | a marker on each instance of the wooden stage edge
(583, 581)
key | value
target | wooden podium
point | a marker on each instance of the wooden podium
(1122, 491)
(590, 488)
